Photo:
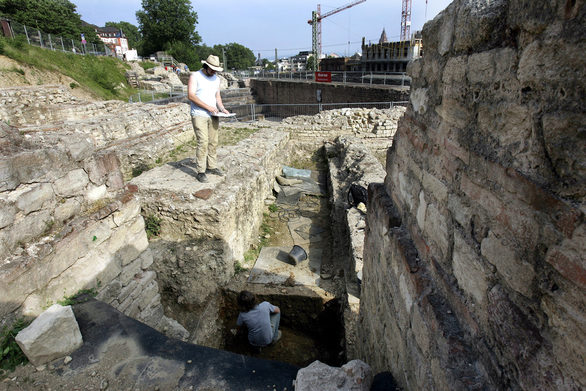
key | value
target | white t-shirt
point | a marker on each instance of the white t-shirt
(206, 88)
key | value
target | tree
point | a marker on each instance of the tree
(131, 32)
(311, 64)
(237, 56)
(268, 65)
(164, 23)
(57, 17)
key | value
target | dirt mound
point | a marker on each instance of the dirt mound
(13, 73)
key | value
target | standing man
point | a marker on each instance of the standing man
(203, 91)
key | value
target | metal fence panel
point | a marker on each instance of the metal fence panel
(54, 42)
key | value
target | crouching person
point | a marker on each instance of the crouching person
(261, 320)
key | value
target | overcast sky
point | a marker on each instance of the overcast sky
(263, 25)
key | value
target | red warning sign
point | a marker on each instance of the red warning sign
(324, 77)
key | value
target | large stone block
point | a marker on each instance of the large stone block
(518, 273)
(8, 177)
(355, 375)
(470, 271)
(7, 213)
(73, 183)
(52, 335)
(437, 228)
(30, 227)
(479, 24)
(568, 257)
(481, 68)
(32, 197)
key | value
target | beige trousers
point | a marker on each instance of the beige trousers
(206, 131)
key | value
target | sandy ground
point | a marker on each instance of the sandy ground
(11, 75)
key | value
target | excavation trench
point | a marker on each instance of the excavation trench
(201, 274)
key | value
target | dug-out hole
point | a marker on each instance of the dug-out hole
(312, 328)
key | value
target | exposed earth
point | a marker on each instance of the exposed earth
(13, 73)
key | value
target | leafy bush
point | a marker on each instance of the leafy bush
(152, 226)
(2, 45)
(11, 355)
(238, 268)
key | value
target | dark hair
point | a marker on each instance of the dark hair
(246, 301)
(205, 66)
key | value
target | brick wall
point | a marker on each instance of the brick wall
(474, 270)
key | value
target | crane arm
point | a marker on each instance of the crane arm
(336, 10)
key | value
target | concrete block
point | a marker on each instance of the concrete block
(52, 335)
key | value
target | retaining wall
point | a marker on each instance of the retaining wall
(474, 270)
(282, 91)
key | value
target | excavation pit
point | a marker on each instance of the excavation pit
(311, 327)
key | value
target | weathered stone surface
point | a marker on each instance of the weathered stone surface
(72, 183)
(518, 273)
(488, 181)
(52, 335)
(355, 375)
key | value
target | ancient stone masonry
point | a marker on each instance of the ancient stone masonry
(376, 127)
(474, 273)
(67, 220)
(350, 161)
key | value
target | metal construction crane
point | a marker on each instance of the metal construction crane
(406, 20)
(315, 22)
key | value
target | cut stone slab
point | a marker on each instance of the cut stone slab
(273, 266)
(52, 335)
(304, 231)
(356, 375)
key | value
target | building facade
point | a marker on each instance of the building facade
(114, 38)
(387, 56)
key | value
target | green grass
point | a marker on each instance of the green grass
(231, 136)
(11, 355)
(264, 238)
(100, 75)
(147, 65)
(74, 299)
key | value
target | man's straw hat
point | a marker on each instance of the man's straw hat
(213, 62)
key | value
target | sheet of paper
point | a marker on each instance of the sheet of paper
(220, 114)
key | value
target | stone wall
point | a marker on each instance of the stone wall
(283, 91)
(474, 257)
(67, 220)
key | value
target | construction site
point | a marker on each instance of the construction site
(430, 239)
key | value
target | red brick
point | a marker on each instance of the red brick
(567, 267)
(204, 194)
(565, 217)
(455, 149)
(132, 188)
(483, 197)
